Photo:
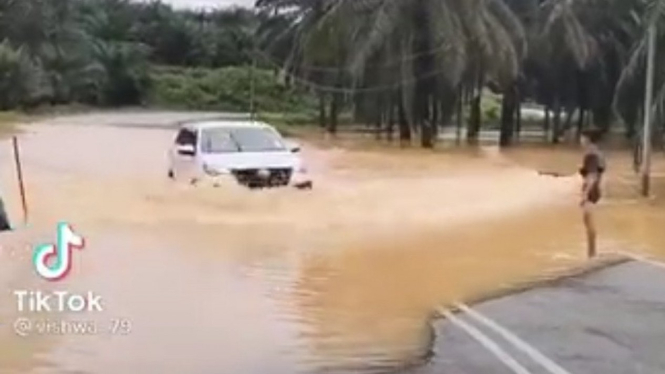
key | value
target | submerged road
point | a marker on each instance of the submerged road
(611, 321)
(225, 281)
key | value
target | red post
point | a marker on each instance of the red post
(19, 172)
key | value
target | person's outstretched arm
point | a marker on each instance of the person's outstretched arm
(555, 174)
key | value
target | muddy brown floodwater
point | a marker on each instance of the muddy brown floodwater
(339, 279)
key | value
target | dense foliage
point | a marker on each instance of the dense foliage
(408, 68)
(103, 52)
(583, 60)
(225, 89)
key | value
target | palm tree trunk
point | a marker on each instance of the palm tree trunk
(390, 129)
(378, 120)
(322, 110)
(518, 116)
(507, 117)
(637, 152)
(334, 115)
(426, 121)
(448, 106)
(437, 112)
(426, 133)
(460, 115)
(557, 121)
(547, 122)
(474, 121)
(358, 108)
(404, 128)
(425, 85)
(336, 102)
(475, 117)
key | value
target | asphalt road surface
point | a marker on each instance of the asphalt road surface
(611, 321)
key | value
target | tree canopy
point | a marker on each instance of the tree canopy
(99, 51)
(580, 59)
(408, 67)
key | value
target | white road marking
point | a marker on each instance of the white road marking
(642, 258)
(486, 342)
(525, 347)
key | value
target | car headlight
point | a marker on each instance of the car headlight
(213, 171)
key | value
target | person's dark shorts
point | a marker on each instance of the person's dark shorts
(594, 195)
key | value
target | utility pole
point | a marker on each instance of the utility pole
(648, 113)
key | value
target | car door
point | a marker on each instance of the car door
(184, 162)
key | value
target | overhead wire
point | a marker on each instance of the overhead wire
(394, 63)
(387, 65)
(377, 88)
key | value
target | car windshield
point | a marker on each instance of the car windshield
(240, 139)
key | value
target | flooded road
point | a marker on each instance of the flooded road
(339, 279)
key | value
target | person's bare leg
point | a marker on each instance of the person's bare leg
(590, 228)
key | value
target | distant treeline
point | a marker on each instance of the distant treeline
(405, 67)
(104, 52)
(411, 67)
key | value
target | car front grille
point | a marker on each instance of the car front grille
(252, 178)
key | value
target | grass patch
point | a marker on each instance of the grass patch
(227, 89)
(9, 122)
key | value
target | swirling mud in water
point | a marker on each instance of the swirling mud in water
(338, 279)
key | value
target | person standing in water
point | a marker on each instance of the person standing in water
(593, 167)
(4, 221)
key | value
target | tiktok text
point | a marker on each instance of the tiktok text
(57, 301)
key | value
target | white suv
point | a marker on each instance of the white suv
(252, 153)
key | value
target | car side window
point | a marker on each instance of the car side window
(186, 137)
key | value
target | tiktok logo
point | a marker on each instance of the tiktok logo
(53, 262)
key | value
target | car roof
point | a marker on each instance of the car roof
(208, 124)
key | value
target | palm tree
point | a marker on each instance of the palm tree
(17, 78)
(310, 39)
(629, 97)
(578, 53)
(441, 45)
(565, 51)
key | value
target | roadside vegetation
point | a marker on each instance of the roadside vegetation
(225, 89)
(8, 121)
(404, 70)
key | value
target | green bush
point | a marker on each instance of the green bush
(289, 119)
(491, 108)
(17, 77)
(226, 89)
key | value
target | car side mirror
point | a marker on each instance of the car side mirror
(293, 147)
(186, 150)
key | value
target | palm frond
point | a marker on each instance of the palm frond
(449, 42)
(562, 26)
(654, 11)
(387, 18)
(507, 58)
(510, 23)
